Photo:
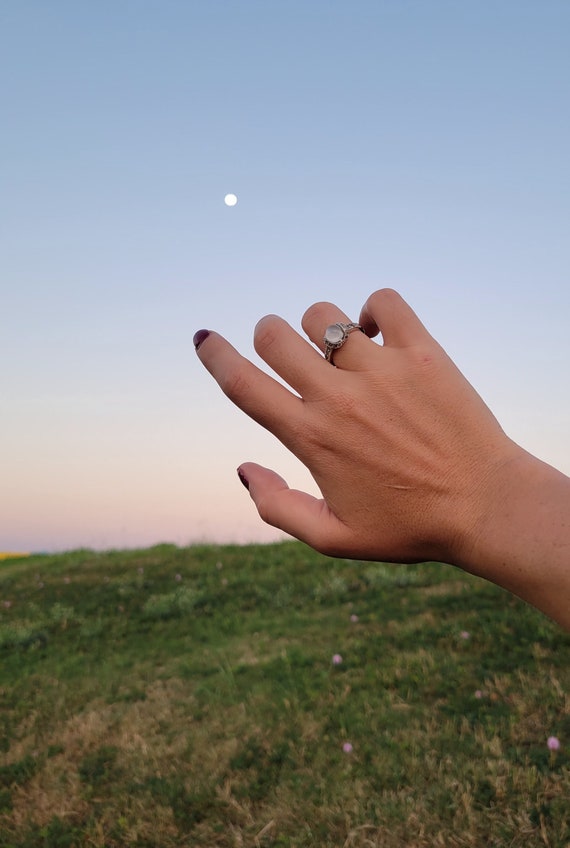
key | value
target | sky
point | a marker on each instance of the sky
(418, 144)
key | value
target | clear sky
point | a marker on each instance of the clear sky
(420, 144)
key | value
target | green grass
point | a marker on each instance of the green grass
(188, 697)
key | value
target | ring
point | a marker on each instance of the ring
(335, 336)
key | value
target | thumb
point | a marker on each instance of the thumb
(301, 515)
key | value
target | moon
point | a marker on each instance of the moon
(230, 199)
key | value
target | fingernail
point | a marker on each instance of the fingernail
(243, 478)
(199, 337)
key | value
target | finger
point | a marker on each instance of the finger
(290, 355)
(387, 312)
(256, 393)
(301, 515)
(320, 316)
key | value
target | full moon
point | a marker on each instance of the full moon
(230, 199)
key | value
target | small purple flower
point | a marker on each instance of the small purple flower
(478, 694)
(553, 743)
(178, 578)
(337, 659)
(354, 618)
(347, 748)
(465, 634)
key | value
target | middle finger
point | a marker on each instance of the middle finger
(290, 355)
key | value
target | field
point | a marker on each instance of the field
(270, 696)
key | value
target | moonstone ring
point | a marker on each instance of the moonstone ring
(335, 336)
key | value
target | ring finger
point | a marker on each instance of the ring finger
(349, 353)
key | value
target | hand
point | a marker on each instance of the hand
(401, 446)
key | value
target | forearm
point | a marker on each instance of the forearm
(522, 538)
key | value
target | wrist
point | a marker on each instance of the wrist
(519, 532)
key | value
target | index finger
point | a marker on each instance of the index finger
(252, 390)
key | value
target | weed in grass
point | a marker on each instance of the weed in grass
(98, 766)
(171, 604)
(21, 634)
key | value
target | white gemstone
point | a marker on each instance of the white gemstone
(334, 334)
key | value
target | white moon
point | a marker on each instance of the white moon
(230, 199)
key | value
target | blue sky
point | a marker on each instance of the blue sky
(417, 144)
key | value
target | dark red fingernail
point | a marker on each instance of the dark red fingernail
(243, 478)
(199, 337)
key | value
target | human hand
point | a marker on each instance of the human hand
(399, 443)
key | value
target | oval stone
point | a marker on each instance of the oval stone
(334, 334)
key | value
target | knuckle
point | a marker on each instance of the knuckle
(235, 384)
(266, 333)
(389, 294)
(318, 313)
(385, 298)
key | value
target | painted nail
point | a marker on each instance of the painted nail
(243, 478)
(199, 337)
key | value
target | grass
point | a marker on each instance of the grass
(187, 697)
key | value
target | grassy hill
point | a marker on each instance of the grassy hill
(267, 695)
